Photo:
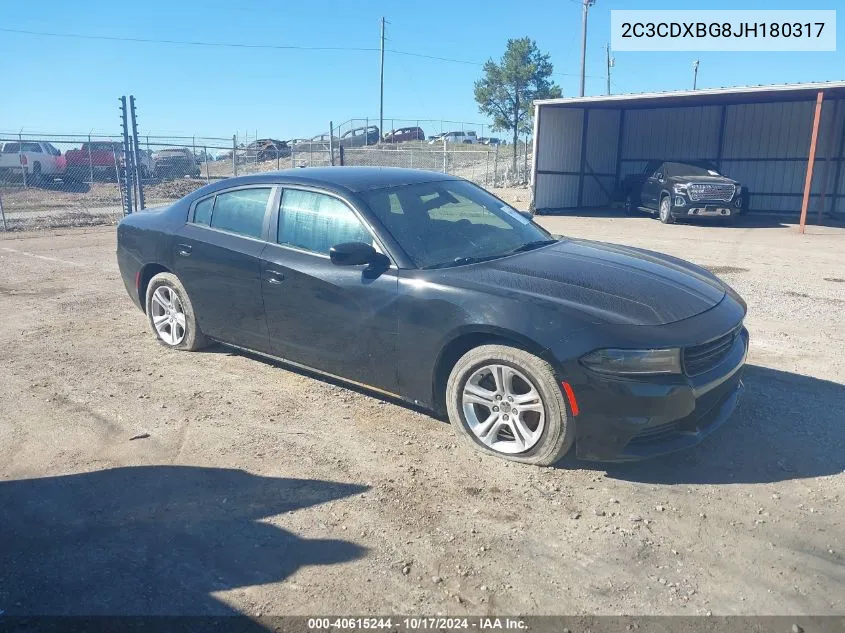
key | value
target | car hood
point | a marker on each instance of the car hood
(611, 283)
(716, 180)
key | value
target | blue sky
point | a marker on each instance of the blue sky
(66, 85)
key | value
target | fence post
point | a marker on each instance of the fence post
(117, 174)
(496, 166)
(293, 155)
(487, 167)
(136, 154)
(90, 163)
(525, 170)
(340, 151)
(2, 214)
(205, 153)
(128, 188)
(445, 166)
(20, 159)
(331, 144)
(235, 155)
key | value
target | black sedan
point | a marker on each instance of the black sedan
(426, 287)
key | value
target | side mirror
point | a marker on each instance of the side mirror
(659, 177)
(356, 254)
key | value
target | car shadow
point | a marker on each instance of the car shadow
(787, 426)
(220, 348)
(66, 186)
(153, 540)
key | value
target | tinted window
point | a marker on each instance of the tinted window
(14, 148)
(202, 212)
(691, 169)
(241, 211)
(452, 222)
(316, 222)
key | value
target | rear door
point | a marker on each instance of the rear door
(652, 184)
(218, 259)
(337, 319)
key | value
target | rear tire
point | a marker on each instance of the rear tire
(530, 423)
(171, 314)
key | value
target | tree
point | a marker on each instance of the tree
(506, 91)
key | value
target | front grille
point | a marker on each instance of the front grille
(701, 358)
(706, 191)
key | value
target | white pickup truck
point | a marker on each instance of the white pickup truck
(35, 160)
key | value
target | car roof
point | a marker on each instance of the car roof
(352, 179)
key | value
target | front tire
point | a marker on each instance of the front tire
(171, 314)
(505, 401)
(665, 212)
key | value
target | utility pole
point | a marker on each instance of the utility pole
(695, 74)
(381, 84)
(586, 8)
(611, 62)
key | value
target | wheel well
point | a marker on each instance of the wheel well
(147, 272)
(460, 346)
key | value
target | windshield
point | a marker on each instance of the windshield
(452, 222)
(691, 169)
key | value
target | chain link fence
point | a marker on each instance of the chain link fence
(56, 180)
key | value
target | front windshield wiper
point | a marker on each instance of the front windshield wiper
(530, 246)
(460, 261)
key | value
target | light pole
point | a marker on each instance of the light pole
(585, 10)
(695, 74)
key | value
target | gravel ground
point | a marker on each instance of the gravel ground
(251, 488)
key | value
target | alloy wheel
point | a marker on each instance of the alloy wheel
(503, 409)
(664, 210)
(168, 315)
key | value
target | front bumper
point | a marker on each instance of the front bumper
(626, 419)
(706, 208)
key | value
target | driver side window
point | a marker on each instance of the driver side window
(315, 222)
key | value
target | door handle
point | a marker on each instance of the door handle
(184, 250)
(275, 276)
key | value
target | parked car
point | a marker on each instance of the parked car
(267, 149)
(319, 143)
(175, 163)
(34, 161)
(427, 287)
(102, 158)
(491, 140)
(683, 189)
(360, 137)
(456, 137)
(146, 162)
(404, 134)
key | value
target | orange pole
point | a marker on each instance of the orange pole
(811, 160)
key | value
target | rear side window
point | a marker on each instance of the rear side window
(315, 222)
(240, 211)
(202, 212)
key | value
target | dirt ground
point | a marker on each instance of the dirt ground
(254, 489)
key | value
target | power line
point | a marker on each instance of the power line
(247, 45)
(144, 40)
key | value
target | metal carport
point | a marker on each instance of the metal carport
(762, 136)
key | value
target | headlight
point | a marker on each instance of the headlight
(738, 190)
(634, 361)
(682, 188)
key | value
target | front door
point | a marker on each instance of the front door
(336, 319)
(652, 186)
(217, 258)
